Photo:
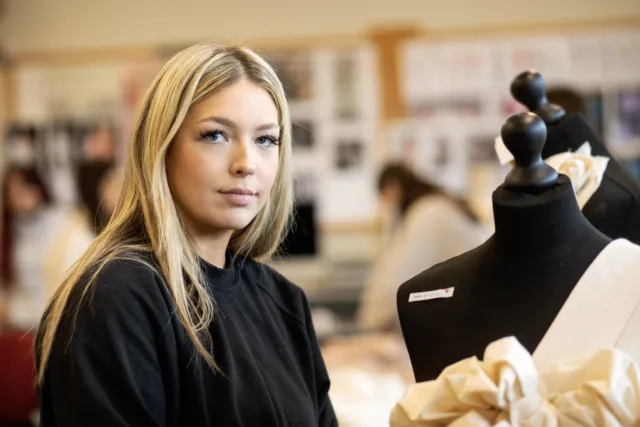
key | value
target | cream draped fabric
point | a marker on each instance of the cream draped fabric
(584, 170)
(506, 389)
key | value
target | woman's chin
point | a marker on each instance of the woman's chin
(234, 221)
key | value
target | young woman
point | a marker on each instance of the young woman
(170, 319)
(40, 241)
(432, 227)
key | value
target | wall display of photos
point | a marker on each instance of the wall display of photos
(82, 92)
(92, 93)
(334, 111)
(456, 154)
(443, 151)
(332, 96)
(463, 79)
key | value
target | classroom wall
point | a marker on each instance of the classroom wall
(62, 26)
(37, 25)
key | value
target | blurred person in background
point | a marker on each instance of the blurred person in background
(94, 174)
(170, 318)
(569, 99)
(99, 193)
(109, 191)
(40, 241)
(432, 226)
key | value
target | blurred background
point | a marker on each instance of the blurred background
(422, 84)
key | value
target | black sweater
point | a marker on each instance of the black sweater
(129, 362)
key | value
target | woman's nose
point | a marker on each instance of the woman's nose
(242, 163)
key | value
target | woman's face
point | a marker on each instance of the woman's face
(23, 198)
(224, 159)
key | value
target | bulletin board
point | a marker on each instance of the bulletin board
(462, 78)
(454, 92)
(333, 102)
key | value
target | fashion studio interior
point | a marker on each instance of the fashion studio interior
(465, 220)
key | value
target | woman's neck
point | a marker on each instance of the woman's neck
(213, 248)
(548, 224)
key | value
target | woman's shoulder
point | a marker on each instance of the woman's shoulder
(122, 282)
(288, 296)
(129, 273)
(115, 309)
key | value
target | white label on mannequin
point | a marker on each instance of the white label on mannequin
(424, 296)
(504, 155)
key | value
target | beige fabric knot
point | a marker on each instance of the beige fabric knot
(505, 389)
(584, 170)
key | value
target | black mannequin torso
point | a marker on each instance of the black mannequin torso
(614, 208)
(513, 284)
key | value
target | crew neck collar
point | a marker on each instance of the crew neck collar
(225, 278)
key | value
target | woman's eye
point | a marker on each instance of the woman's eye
(268, 140)
(213, 136)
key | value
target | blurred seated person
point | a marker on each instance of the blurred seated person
(575, 102)
(109, 190)
(570, 100)
(432, 226)
(40, 241)
(100, 190)
(96, 168)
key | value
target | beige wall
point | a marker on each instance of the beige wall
(36, 25)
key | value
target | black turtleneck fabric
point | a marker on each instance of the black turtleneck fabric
(514, 284)
(129, 363)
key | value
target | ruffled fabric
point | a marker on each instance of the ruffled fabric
(506, 390)
(584, 170)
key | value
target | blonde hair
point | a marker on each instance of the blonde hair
(146, 220)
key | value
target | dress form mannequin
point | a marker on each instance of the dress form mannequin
(614, 209)
(517, 281)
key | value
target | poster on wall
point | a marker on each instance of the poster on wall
(421, 73)
(295, 70)
(587, 60)
(433, 73)
(466, 68)
(482, 149)
(349, 155)
(437, 153)
(622, 57)
(345, 80)
(446, 80)
(549, 56)
(303, 135)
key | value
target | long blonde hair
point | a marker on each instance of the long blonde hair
(146, 220)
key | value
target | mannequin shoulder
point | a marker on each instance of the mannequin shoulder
(454, 271)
